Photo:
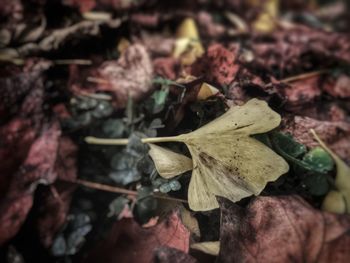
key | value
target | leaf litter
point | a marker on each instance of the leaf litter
(143, 70)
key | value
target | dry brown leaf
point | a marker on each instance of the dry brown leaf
(172, 255)
(282, 229)
(128, 242)
(218, 65)
(130, 75)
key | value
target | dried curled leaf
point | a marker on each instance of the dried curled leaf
(169, 163)
(227, 161)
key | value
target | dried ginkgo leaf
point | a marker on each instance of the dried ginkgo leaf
(210, 247)
(229, 163)
(169, 163)
(226, 161)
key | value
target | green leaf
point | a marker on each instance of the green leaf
(165, 188)
(117, 206)
(175, 185)
(86, 104)
(288, 145)
(159, 98)
(317, 184)
(113, 128)
(319, 160)
(146, 205)
(103, 109)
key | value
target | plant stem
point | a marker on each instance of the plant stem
(104, 141)
(118, 190)
(305, 75)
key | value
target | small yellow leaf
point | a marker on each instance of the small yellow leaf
(189, 221)
(187, 29)
(211, 247)
(169, 163)
(206, 90)
(265, 22)
(334, 202)
(188, 45)
(123, 45)
(342, 179)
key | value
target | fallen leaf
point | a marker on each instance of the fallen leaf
(233, 174)
(300, 232)
(166, 67)
(265, 22)
(339, 88)
(218, 65)
(302, 91)
(209, 247)
(36, 168)
(130, 76)
(208, 26)
(55, 204)
(290, 49)
(29, 144)
(172, 255)
(169, 163)
(217, 169)
(129, 242)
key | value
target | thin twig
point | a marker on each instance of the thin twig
(305, 75)
(21, 61)
(118, 190)
(97, 80)
(98, 96)
(72, 61)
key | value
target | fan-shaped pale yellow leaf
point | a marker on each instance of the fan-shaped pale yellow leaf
(169, 163)
(210, 247)
(229, 163)
(226, 161)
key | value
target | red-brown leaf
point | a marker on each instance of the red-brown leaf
(282, 229)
